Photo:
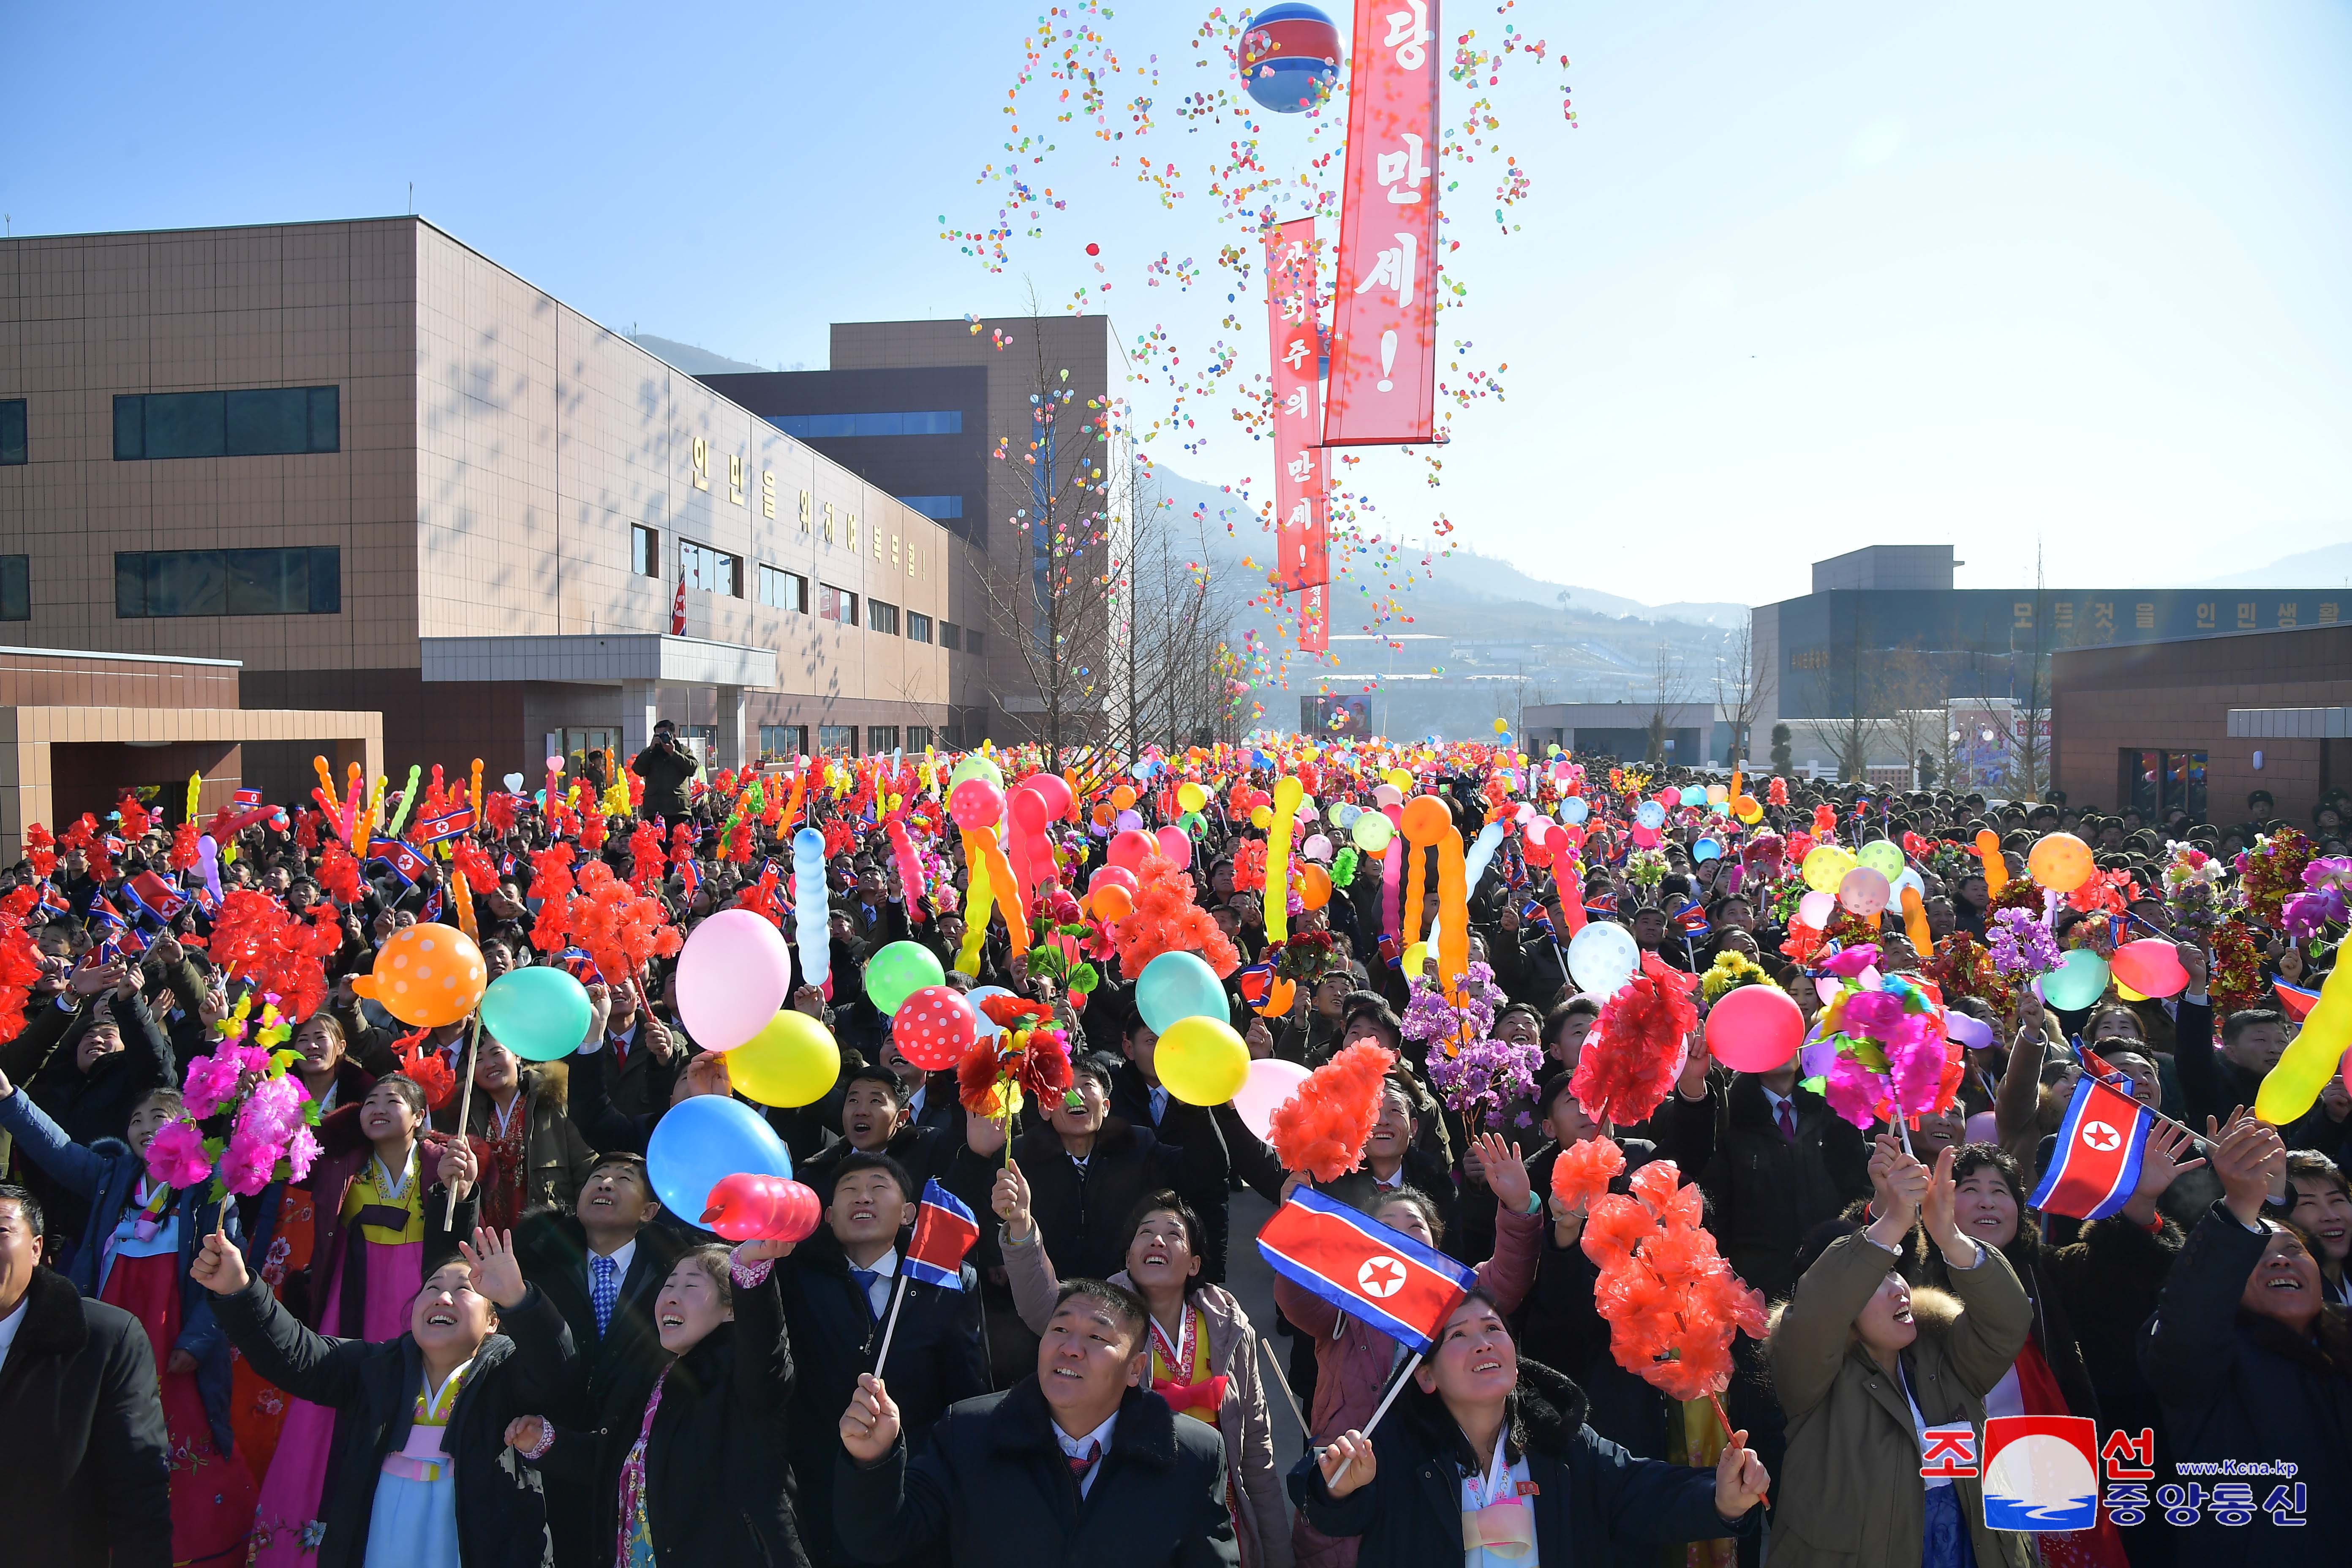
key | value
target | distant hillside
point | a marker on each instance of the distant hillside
(2327, 567)
(692, 360)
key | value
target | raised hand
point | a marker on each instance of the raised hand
(2161, 1165)
(1260, 1040)
(1507, 1174)
(219, 1266)
(1741, 1481)
(497, 1274)
(1010, 1199)
(869, 1427)
(458, 1168)
(525, 1432)
(983, 1135)
(1347, 1464)
(2242, 1155)
(1938, 1211)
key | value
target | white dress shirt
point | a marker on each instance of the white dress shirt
(886, 1276)
(16, 1320)
(621, 1257)
(1075, 1447)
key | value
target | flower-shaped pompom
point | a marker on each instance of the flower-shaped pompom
(1583, 1171)
(175, 1155)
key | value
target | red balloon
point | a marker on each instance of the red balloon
(1028, 808)
(1755, 1028)
(753, 1206)
(1055, 790)
(1130, 847)
(2151, 967)
(934, 1026)
(975, 804)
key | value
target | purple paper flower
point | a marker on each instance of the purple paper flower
(1485, 1077)
(212, 1084)
(2021, 946)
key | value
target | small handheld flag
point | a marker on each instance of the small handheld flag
(944, 1231)
(1365, 1269)
(2095, 1168)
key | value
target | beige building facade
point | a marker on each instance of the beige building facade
(379, 472)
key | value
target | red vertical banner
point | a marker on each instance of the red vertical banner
(1294, 338)
(1385, 323)
(1314, 618)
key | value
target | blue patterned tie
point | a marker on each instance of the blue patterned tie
(604, 1290)
(865, 1278)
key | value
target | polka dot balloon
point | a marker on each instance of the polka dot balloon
(934, 1028)
(426, 976)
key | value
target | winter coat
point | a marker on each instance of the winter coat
(85, 1462)
(938, 1356)
(1593, 1499)
(1084, 1213)
(107, 1175)
(371, 1386)
(2110, 1280)
(995, 1489)
(2238, 1387)
(1353, 1361)
(556, 1160)
(1261, 1526)
(2054, 1326)
(1849, 1493)
(1764, 1192)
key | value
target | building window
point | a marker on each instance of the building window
(12, 430)
(711, 571)
(645, 551)
(837, 740)
(918, 626)
(822, 427)
(938, 508)
(160, 583)
(256, 423)
(2157, 784)
(787, 742)
(951, 737)
(972, 639)
(950, 634)
(782, 590)
(881, 738)
(918, 737)
(15, 587)
(837, 604)
(882, 617)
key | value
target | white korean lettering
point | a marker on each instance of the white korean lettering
(1395, 267)
(1389, 168)
(1408, 33)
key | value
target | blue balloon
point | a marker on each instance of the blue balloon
(1574, 810)
(808, 845)
(2081, 982)
(1649, 814)
(702, 1140)
(1290, 58)
(1178, 985)
(1694, 794)
(1707, 849)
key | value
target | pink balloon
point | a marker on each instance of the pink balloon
(2151, 967)
(934, 1026)
(1030, 809)
(1387, 794)
(1054, 789)
(1177, 845)
(1815, 908)
(732, 977)
(1129, 847)
(1117, 875)
(1755, 1028)
(975, 804)
(751, 1206)
(1645, 838)
(1270, 1085)
(1864, 891)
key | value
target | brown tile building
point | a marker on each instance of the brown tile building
(2200, 723)
(378, 472)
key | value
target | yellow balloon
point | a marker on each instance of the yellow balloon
(1263, 818)
(1825, 867)
(2127, 993)
(1400, 778)
(1415, 957)
(1191, 796)
(2294, 1086)
(791, 1061)
(1201, 1061)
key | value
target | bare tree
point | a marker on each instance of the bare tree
(1738, 689)
(1065, 494)
(2023, 726)
(1671, 685)
(1913, 690)
(1179, 604)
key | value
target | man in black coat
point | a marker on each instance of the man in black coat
(665, 766)
(838, 1290)
(1080, 1466)
(601, 1266)
(85, 1465)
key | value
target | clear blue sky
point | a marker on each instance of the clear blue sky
(1808, 276)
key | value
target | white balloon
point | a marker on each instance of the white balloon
(988, 1028)
(1602, 958)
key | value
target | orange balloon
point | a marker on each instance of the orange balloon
(1104, 814)
(426, 976)
(1314, 887)
(1111, 901)
(1122, 797)
(2060, 860)
(1425, 819)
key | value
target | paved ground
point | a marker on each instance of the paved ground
(1251, 1281)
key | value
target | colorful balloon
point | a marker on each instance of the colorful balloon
(934, 1026)
(898, 972)
(733, 976)
(1290, 61)
(540, 1014)
(2080, 981)
(1270, 1085)
(1755, 1028)
(1602, 957)
(2151, 967)
(703, 1140)
(791, 1062)
(1179, 985)
(1825, 867)
(1200, 1060)
(427, 975)
(748, 1206)
(2060, 861)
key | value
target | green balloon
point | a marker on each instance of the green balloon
(1881, 857)
(1372, 832)
(898, 971)
(539, 1014)
(2081, 981)
(976, 766)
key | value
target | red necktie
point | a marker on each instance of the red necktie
(1788, 1122)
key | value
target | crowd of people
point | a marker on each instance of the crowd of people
(468, 1330)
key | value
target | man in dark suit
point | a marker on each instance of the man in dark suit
(85, 1465)
(602, 1266)
(1080, 1465)
(874, 1121)
(837, 1301)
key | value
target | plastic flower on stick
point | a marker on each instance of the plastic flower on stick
(1880, 1051)
(243, 1120)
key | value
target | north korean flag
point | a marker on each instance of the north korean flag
(2095, 1165)
(944, 1232)
(1367, 1270)
(449, 825)
(155, 897)
(105, 916)
(54, 901)
(247, 799)
(1254, 983)
(406, 864)
(2295, 1001)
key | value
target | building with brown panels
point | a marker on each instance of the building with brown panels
(78, 728)
(379, 471)
(2198, 724)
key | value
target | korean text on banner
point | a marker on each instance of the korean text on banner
(1384, 324)
(1314, 618)
(1294, 336)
